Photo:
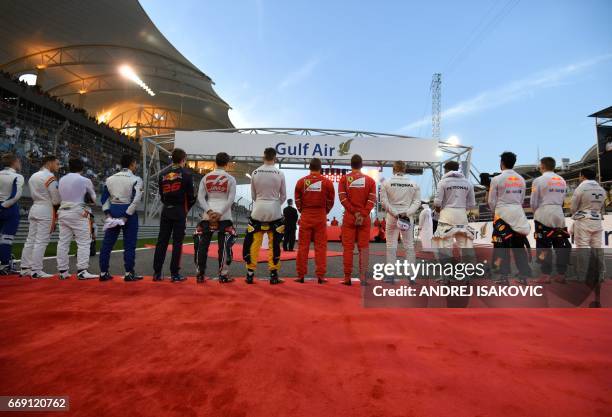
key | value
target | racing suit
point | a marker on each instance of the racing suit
(587, 204)
(547, 195)
(216, 193)
(454, 196)
(73, 220)
(268, 192)
(314, 198)
(11, 188)
(177, 196)
(122, 193)
(357, 193)
(401, 198)
(510, 225)
(45, 200)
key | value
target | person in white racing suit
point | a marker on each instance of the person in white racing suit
(454, 197)
(42, 217)
(510, 224)
(268, 192)
(401, 198)
(588, 202)
(76, 193)
(122, 193)
(546, 200)
(11, 188)
(216, 195)
(425, 226)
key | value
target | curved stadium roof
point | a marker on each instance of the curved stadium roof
(76, 48)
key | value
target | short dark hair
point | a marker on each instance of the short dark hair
(127, 159)
(399, 166)
(269, 154)
(222, 159)
(451, 166)
(178, 155)
(47, 158)
(315, 164)
(549, 163)
(75, 165)
(289, 201)
(588, 173)
(8, 159)
(508, 159)
(356, 161)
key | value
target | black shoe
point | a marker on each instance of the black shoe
(130, 276)
(363, 283)
(200, 279)
(503, 280)
(250, 278)
(274, 279)
(522, 280)
(177, 278)
(105, 276)
(299, 280)
(389, 280)
(158, 276)
(225, 279)
(321, 280)
(347, 281)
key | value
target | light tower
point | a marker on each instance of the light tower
(436, 98)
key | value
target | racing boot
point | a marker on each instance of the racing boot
(105, 276)
(274, 279)
(225, 279)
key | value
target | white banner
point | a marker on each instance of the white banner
(305, 146)
(485, 229)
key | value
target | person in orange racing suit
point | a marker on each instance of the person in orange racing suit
(357, 194)
(314, 198)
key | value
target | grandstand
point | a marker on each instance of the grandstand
(80, 87)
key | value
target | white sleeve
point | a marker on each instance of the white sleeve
(439, 198)
(18, 181)
(283, 189)
(534, 199)
(90, 190)
(137, 187)
(384, 200)
(231, 195)
(492, 197)
(576, 200)
(416, 201)
(202, 194)
(253, 190)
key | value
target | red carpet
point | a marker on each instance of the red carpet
(162, 349)
(213, 251)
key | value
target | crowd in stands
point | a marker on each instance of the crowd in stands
(61, 103)
(32, 131)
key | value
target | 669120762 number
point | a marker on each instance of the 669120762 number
(34, 403)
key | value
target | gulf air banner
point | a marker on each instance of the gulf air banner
(306, 146)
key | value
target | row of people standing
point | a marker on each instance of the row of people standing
(511, 227)
(67, 203)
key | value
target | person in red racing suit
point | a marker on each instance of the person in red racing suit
(357, 194)
(314, 198)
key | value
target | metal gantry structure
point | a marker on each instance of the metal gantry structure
(156, 152)
(436, 105)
